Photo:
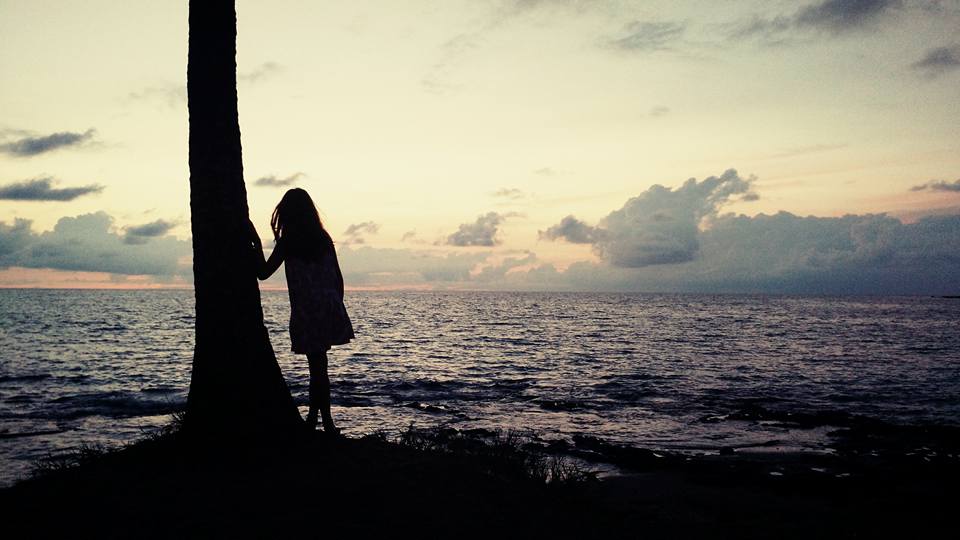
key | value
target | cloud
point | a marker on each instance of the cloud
(7, 132)
(368, 266)
(769, 30)
(840, 16)
(572, 230)
(835, 17)
(139, 234)
(938, 185)
(494, 273)
(89, 243)
(938, 61)
(647, 36)
(787, 254)
(41, 189)
(807, 150)
(440, 78)
(482, 232)
(174, 95)
(658, 111)
(354, 233)
(274, 181)
(660, 226)
(409, 235)
(14, 238)
(262, 72)
(509, 193)
(779, 253)
(32, 146)
(545, 171)
(851, 254)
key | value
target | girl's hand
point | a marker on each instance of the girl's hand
(254, 236)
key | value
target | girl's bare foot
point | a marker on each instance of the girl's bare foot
(331, 430)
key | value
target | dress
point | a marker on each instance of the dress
(318, 318)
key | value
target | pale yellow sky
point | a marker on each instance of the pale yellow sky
(414, 114)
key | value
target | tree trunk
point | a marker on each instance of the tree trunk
(236, 382)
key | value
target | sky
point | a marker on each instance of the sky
(729, 146)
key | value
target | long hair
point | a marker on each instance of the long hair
(296, 222)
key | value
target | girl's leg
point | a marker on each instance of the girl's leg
(314, 392)
(320, 391)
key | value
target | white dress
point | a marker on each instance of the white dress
(318, 318)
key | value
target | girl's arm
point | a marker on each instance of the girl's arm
(265, 267)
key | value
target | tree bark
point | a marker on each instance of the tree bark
(236, 382)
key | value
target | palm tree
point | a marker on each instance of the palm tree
(236, 381)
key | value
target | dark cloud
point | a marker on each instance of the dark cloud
(274, 181)
(647, 36)
(839, 16)
(14, 238)
(89, 243)
(660, 226)
(482, 232)
(834, 17)
(938, 185)
(32, 146)
(409, 235)
(41, 189)
(139, 234)
(354, 233)
(938, 61)
(572, 230)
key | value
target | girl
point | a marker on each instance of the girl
(318, 318)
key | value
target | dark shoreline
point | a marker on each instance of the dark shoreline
(442, 483)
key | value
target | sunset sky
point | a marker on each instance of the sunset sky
(525, 144)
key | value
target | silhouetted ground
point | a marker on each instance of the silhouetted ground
(444, 484)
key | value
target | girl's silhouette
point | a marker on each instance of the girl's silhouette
(318, 318)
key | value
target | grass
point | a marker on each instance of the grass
(431, 480)
(508, 453)
(87, 454)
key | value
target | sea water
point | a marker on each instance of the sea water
(681, 372)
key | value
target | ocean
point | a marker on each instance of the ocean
(688, 373)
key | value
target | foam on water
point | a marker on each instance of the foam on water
(680, 372)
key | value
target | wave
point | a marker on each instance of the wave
(109, 404)
(25, 378)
